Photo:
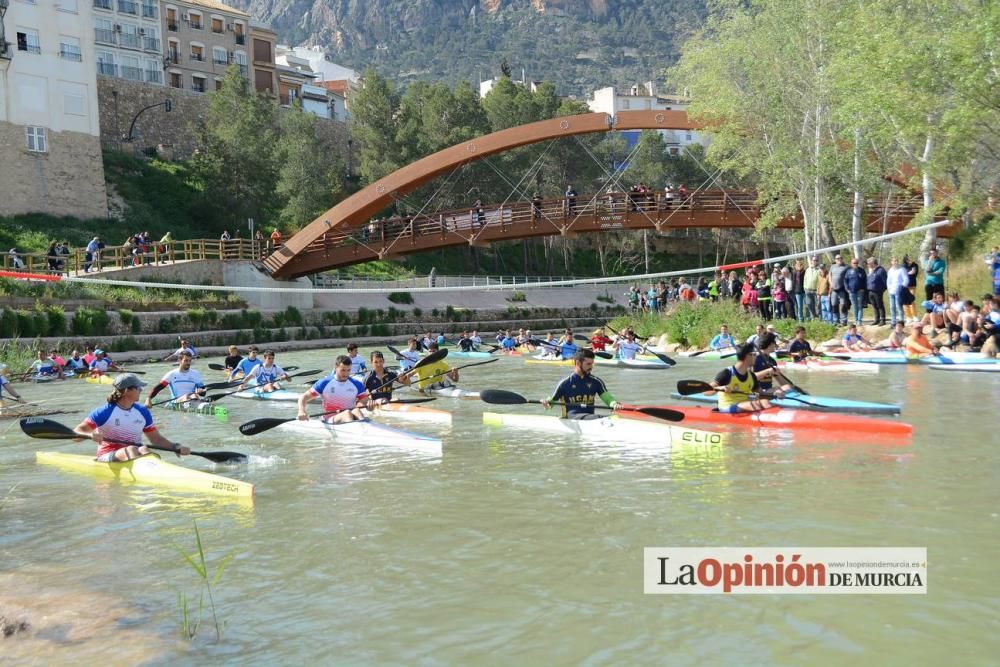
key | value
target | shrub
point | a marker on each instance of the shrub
(400, 297)
(343, 332)
(381, 330)
(517, 295)
(196, 316)
(293, 316)
(90, 322)
(364, 315)
(417, 312)
(435, 312)
(56, 320)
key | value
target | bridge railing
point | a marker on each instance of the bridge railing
(78, 260)
(334, 281)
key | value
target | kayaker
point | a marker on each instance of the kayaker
(102, 364)
(917, 344)
(266, 375)
(550, 347)
(578, 390)
(339, 391)
(800, 347)
(896, 339)
(5, 385)
(410, 356)
(75, 362)
(185, 345)
(56, 359)
(185, 383)
(244, 367)
(378, 382)
(627, 347)
(438, 375)
(233, 359)
(736, 384)
(567, 348)
(476, 340)
(88, 356)
(357, 361)
(465, 342)
(765, 368)
(757, 335)
(774, 332)
(43, 366)
(854, 341)
(119, 425)
(509, 342)
(599, 339)
(935, 315)
(722, 340)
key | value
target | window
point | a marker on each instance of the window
(151, 40)
(217, 25)
(174, 52)
(37, 141)
(240, 58)
(27, 40)
(176, 80)
(198, 84)
(196, 23)
(67, 6)
(149, 10)
(106, 63)
(197, 52)
(218, 84)
(129, 37)
(130, 68)
(624, 104)
(74, 105)
(171, 19)
(261, 51)
(104, 31)
(128, 7)
(219, 56)
(69, 48)
(154, 73)
(240, 37)
(103, 4)
(688, 136)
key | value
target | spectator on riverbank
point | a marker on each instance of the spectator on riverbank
(896, 282)
(799, 290)
(912, 269)
(934, 270)
(877, 285)
(823, 293)
(839, 302)
(810, 278)
(15, 260)
(856, 284)
(995, 270)
(734, 287)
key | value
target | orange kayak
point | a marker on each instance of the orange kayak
(780, 418)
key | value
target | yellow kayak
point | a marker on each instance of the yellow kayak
(151, 470)
(99, 379)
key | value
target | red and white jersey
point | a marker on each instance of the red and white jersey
(123, 427)
(338, 395)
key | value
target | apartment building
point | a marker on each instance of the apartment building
(128, 39)
(50, 147)
(263, 42)
(645, 97)
(203, 38)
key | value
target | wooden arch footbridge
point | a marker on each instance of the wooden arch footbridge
(346, 234)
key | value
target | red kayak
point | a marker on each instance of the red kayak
(779, 418)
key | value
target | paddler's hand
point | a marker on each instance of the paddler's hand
(148, 402)
(180, 450)
(545, 403)
(302, 417)
(615, 406)
(96, 437)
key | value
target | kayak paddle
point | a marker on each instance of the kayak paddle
(208, 387)
(662, 357)
(48, 429)
(504, 397)
(261, 424)
(597, 353)
(692, 387)
(215, 397)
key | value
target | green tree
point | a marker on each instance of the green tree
(309, 179)
(374, 109)
(236, 162)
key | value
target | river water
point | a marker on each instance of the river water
(511, 545)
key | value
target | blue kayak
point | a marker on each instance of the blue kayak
(810, 402)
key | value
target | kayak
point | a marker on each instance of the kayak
(151, 469)
(456, 354)
(780, 418)
(452, 392)
(99, 379)
(365, 432)
(651, 363)
(276, 395)
(199, 407)
(713, 355)
(900, 357)
(989, 367)
(812, 403)
(613, 427)
(411, 413)
(827, 366)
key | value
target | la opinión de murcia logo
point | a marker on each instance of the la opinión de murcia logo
(785, 570)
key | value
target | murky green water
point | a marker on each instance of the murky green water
(511, 546)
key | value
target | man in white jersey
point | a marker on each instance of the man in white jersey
(102, 364)
(627, 347)
(184, 382)
(357, 361)
(476, 340)
(265, 376)
(410, 356)
(185, 347)
(339, 391)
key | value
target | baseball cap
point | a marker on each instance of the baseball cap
(127, 381)
(98, 351)
(770, 327)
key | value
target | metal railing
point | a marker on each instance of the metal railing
(334, 280)
(120, 257)
(154, 76)
(149, 11)
(198, 57)
(129, 41)
(151, 44)
(128, 7)
(107, 69)
(102, 4)
(104, 36)
(131, 73)
(70, 53)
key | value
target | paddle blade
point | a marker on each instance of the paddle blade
(395, 351)
(662, 357)
(501, 397)
(691, 387)
(305, 374)
(46, 429)
(289, 369)
(662, 413)
(413, 400)
(603, 355)
(217, 367)
(581, 337)
(222, 457)
(222, 385)
(255, 426)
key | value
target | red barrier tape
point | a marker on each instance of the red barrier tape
(30, 276)
(741, 265)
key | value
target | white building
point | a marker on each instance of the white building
(128, 40)
(50, 147)
(315, 58)
(486, 86)
(610, 101)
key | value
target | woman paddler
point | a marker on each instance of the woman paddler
(119, 425)
(736, 384)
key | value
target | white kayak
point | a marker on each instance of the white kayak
(612, 427)
(968, 368)
(828, 366)
(650, 363)
(277, 395)
(452, 392)
(365, 432)
(408, 412)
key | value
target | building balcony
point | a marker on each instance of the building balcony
(154, 76)
(129, 41)
(102, 36)
(103, 4)
(172, 26)
(197, 57)
(172, 58)
(70, 54)
(128, 7)
(197, 26)
(241, 39)
(150, 11)
(151, 44)
(30, 48)
(198, 87)
(131, 73)
(107, 69)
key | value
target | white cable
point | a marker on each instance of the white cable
(463, 288)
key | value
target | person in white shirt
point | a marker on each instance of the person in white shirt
(476, 340)
(266, 375)
(410, 356)
(896, 283)
(185, 348)
(627, 347)
(357, 361)
(184, 382)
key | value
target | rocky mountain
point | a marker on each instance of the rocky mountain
(576, 44)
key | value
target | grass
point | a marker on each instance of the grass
(191, 618)
(113, 295)
(694, 325)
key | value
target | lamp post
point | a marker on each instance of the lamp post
(167, 105)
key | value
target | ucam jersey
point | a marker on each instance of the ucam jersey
(181, 383)
(124, 427)
(357, 364)
(579, 393)
(100, 365)
(265, 375)
(338, 395)
(628, 349)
